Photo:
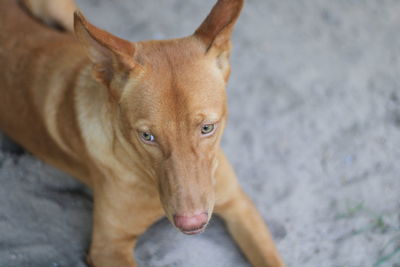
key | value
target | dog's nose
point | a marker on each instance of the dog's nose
(191, 225)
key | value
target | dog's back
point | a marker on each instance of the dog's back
(23, 39)
(36, 57)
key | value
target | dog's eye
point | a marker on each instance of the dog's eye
(207, 129)
(147, 137)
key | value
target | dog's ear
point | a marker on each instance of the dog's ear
(216, 30)
(113, 57)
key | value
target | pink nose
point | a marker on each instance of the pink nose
(191, 224)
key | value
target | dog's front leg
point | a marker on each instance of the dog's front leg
(243, 220)
(107, 251)
(119, 218)
(112, 244)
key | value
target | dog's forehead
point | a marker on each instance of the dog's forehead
(177, 59)
(179, 79)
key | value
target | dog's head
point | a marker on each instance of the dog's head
(171, 104)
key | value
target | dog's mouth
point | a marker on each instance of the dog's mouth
(195, 231)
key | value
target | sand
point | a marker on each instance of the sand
(314, 135)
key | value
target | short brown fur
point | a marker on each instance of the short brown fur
(83, 106)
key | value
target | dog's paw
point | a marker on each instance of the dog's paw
(37, 10)
(56, 14)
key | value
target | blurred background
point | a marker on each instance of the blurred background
(314, 135)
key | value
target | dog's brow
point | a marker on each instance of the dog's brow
(206, 117)
(143, 125)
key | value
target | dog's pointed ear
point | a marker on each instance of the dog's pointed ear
(113, 57)
(216, 30)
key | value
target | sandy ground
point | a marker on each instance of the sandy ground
(314, 135)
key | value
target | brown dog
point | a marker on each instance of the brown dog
(140, 123)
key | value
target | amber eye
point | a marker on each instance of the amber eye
(207, 129)
(147, 137)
